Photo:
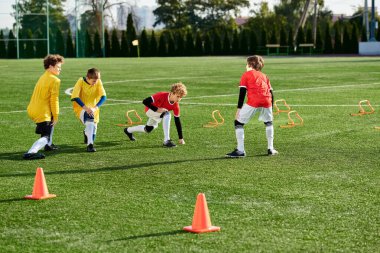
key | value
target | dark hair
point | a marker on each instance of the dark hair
(93, 73)
(256, 62)
(52, 60)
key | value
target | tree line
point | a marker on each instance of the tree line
(188, 32)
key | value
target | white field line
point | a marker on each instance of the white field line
(162, 78)
(126, 102)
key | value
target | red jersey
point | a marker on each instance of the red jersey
(161, 99)
(258, 88)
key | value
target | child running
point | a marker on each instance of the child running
(260, 98)
(88, 95)
(43, 107)
(157, 108)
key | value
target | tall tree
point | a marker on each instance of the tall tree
(107, 44)
(243, 42)
(162, 45)
(189, 43)
(11, 49)
(180, 41)
(171, 13)
(217, 43)
(97, 45)
(235, 43)
(131, 35)
(89, 48)
(171, 43)
(328, 49)
(124, 46)
(253, 42)
(153, 45)
(144, 44)
(27, 48)
(3, 51)
(226, 44)
(207, 44)
(70, 50)
(41, 46)
(115, 45)
(198, 44)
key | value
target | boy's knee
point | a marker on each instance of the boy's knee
(148, 129)
(238, 124)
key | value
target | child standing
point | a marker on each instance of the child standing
(43, 107)
(157, 108)
(260, 100)
(88, 95)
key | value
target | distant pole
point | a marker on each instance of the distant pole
(47, 27)
(103, 39)
(373, 23)
(76, 29)
(17, 31)
(315, 23)
(366, 18)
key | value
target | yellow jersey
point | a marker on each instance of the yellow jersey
(44, 102)
(89, 94)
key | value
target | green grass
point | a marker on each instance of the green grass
(321, 194)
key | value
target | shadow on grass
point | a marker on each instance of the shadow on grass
(175, 232)
(11, 200)
(63, 149)
(108, 169)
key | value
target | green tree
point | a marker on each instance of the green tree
(97, 45)
(346, 45)
(11, 49)
(283, 38)
(115, 48)
(189, 43)
(226, 44)
(198, 44)
(235, 43)
(207, 44)
(131, 35)
(337, 41)
(243, 42)
(319, 42)
(124, 46)
(354, 39)
(180, 41)
(60, 44)
(162, 46)
(328, 49)
(290, 41)
(27, 46)
(3, 51)
(253, 42)
(217, 43)
(153, 45)
(144, 44)
(89, 48)
(70, 51)
(171, 43)
(170, 13)
(41, 46)
(107, 44)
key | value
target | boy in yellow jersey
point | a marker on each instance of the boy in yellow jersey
(88, 95)
(43, 108)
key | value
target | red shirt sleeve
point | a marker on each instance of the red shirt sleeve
(243, 80)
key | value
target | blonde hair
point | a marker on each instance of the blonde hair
(179, 89)
(256, 62)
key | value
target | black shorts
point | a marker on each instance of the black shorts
(44, 128)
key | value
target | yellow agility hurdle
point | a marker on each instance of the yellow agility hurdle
(130, 122)
(362, 111)
(216, 122)
(291, 122)
(277, 109)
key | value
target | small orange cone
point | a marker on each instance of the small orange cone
(40, 190)
(201, 219)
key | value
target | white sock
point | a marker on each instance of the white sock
(51, 137)
(89, 131)
(166, 126)
(240, 138)
(39, 144)
(269, 130)
(139, 128)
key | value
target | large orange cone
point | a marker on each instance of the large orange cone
(201, 219)
(40, 190)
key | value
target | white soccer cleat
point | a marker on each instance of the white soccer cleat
(272, 152)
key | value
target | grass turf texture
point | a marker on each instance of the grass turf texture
(321, 194)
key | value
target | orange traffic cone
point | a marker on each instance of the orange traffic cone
(40, 190)
(201, 219)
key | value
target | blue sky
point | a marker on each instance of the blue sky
(337, 6)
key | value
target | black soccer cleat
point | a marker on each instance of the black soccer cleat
(33, 156)
(236, 154)
(52, 147)
(84, 137)
(169, 144)
(130, 135)
(90, 148)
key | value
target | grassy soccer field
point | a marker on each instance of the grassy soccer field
(321, 194)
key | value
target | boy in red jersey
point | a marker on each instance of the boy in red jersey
(260, 98)
(157, 108)
(43, 107)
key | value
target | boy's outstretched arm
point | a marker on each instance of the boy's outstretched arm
(179, 129)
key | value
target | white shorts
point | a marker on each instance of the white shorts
(154, 118)
(247, 112)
